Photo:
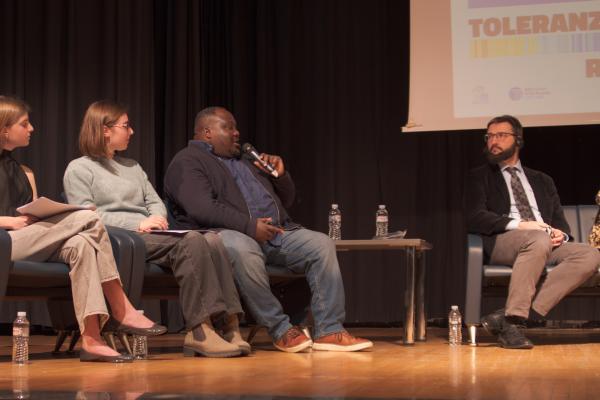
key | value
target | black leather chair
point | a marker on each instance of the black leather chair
(49, 281)
(485, 279)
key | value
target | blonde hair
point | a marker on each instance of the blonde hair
(99, 115)
(11, 109)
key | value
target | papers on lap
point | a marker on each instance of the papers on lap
(44, 208)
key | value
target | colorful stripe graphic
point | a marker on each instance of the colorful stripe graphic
(511, 3)
(535, 44)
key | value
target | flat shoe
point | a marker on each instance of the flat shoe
(154, 330)
(112, 325)
(85, 356)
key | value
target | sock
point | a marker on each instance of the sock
(535, 316)
(515, 320)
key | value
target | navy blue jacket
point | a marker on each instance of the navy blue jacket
(201, 193)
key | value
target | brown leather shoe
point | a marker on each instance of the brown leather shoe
(293, 341)
(341, 341)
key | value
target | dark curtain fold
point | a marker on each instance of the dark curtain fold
(60, 56)
(323, 83)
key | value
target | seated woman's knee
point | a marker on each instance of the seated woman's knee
(86, 215)
(75, 247)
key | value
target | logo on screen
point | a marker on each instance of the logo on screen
(480, 95)
(515, 93)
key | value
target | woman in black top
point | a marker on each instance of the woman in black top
(75, 238)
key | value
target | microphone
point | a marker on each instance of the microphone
(251, 151)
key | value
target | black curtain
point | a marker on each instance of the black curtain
(323, 83)
(60, 56)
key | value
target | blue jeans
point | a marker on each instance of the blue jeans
(302, 251)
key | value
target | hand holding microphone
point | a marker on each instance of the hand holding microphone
(270, 164)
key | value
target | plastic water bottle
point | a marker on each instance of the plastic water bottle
(20, 383)
(140, 345)
(20, 354)
(335, 222)
(454, 326)
(381, 221)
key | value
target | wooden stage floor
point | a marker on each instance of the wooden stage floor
(565, 364)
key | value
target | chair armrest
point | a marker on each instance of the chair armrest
(5, 252)
(474, 279)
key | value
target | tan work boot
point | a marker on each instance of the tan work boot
(231, 333)
(203, 340)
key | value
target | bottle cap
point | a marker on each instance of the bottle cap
(455, 308)
(382, 206)
(21, 313)
(334, 206)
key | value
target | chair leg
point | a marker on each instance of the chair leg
(164, 312)
(124, 342)
(60, 339)
(109, 338)
(472, 334)
(74, 340)
(253, 333)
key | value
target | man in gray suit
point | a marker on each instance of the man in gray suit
(517, 212)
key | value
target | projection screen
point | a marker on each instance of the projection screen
(472, 60)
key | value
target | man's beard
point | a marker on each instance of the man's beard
(502, 156)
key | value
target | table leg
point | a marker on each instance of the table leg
(421, 335)
(409, 300)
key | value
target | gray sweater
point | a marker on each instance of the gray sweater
(119, 188)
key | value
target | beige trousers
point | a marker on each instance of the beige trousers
(79, 239)
(529, 251)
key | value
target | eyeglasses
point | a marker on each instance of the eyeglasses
(498, 135)
(126, 125)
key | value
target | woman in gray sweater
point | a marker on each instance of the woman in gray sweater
(123, 197)
(75, 238)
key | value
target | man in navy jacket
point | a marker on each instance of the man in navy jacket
(208, 185)
(517, 212)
